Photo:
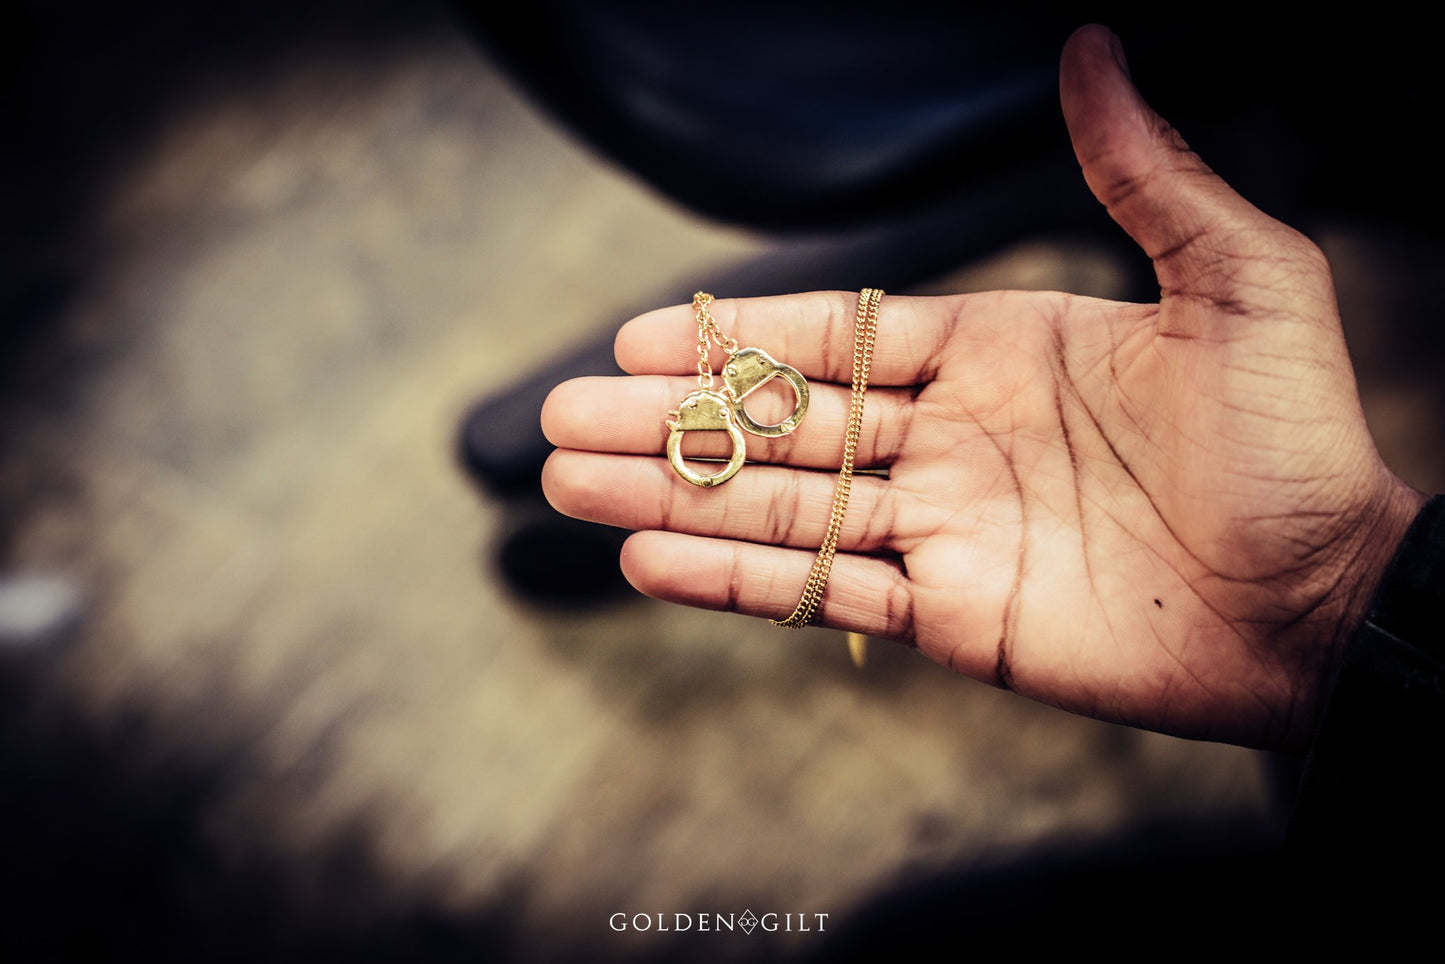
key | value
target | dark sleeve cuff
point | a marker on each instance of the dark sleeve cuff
(1372, 788)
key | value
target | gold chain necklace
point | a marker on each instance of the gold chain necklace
(746, 370)
(865, 332)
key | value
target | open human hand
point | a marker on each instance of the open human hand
(1170, 515)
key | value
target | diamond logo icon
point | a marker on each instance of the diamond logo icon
(748, 921)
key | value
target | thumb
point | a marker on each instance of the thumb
(1204, 238)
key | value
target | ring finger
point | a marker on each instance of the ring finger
(765, 504)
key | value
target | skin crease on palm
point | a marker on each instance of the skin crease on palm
(1167, 515)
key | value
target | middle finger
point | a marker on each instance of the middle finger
(625, 414)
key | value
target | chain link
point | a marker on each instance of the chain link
(708, 333)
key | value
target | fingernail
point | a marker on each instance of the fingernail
(1116, 47)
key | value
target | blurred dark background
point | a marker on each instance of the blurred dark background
(270, 687)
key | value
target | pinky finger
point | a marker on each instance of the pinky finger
(865, 594)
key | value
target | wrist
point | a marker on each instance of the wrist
(1381, 534)
(1372, 789)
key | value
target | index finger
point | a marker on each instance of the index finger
(812, 332)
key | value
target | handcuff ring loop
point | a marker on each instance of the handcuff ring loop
(705, 411)
(747, 371)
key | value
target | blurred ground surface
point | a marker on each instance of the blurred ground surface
(300, 713)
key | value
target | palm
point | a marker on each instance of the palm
(1106, 532)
